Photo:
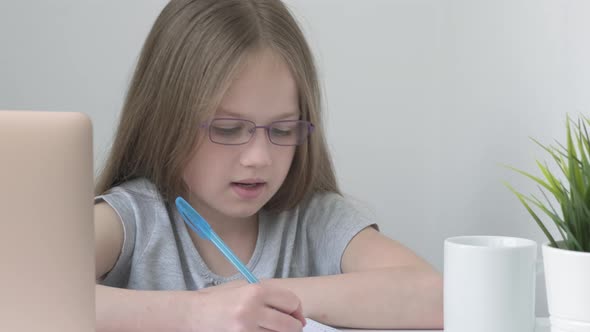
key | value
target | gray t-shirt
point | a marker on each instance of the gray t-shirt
(158, 253)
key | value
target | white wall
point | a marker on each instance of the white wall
(425, 99)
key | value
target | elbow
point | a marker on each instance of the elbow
(433, 293)
(422, 307)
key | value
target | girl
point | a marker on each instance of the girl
(224, 110)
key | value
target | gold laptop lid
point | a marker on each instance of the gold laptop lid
(46, 222)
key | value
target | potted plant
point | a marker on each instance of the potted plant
(566, 261)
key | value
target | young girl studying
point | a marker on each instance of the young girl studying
(223, 114)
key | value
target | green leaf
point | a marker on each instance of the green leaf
(572, 191)
(534, 215)
(536, 179)
(556, 186)
(553, 215)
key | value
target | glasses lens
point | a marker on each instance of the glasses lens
(289, 132)
(230, 131)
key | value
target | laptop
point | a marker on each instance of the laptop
(46, 222)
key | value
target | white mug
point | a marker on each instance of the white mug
(489, 284)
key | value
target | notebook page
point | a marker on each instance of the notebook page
(313, 326)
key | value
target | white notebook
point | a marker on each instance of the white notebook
(313, 326)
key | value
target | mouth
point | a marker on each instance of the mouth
(248, 190)
(248, 185)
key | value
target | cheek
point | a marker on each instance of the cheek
(190, 172)
(196, 166)
(286, 160)
(209, 161)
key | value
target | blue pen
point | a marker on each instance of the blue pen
(202, 228)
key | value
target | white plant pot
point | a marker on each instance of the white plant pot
(567, 278)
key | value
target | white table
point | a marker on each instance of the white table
(541, 326)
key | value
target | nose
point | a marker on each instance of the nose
(257, 152)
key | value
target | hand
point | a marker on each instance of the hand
(237, 306)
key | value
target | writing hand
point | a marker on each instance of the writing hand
(238, 306)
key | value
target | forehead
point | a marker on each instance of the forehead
(263, 88)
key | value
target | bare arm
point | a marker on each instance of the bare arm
(251, 307)
(123, 310)
(108, 236)
(238, 308)
(384, 285)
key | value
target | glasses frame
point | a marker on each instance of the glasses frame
(310, 129)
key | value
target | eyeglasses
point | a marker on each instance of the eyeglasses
(240, 131)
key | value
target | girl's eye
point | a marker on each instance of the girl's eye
(281, 132)
(227, 131)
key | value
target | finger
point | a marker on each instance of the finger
(275, 320)
(283, 300)
(298, 314)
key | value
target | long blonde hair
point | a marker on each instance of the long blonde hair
(189, 58)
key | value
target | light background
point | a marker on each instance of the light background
(425, 99)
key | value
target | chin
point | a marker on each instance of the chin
(243, 211)
(241, 214)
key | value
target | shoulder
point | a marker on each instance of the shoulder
(133, 194)
(134, 200)
(327, 223)
(143, 214)
(327, 203)
(328, 210)
(139, 189)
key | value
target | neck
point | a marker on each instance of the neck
(240, 235)
(225, 226)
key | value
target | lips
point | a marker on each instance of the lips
(249, 182)
(248, 189)
(247, 185)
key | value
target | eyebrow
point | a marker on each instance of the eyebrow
(288, 114)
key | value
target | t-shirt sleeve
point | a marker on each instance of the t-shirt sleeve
(331, 222)
(123, 205)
